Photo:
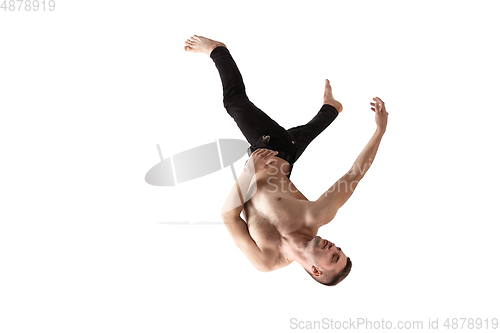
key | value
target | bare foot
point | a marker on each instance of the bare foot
(201, 44)
(328, 97)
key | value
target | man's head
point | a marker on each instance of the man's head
(326, 263)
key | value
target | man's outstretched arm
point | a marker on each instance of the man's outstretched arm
(329, 203)
(233, 206)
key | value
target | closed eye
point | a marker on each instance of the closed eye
(338, 257)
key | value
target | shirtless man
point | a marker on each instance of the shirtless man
(282, 224)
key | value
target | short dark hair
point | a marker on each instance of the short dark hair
(337, 278)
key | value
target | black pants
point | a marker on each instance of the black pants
(258, 128)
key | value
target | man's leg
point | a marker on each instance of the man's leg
(304, 134)
(252, 121)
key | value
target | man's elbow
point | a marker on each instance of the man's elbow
(264, 267)
(264, 270)
(264, 263)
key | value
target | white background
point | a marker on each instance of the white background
(88, 90)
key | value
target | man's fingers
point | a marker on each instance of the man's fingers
(259, 152)
(263, 152)
(271, 153)
(379, 105)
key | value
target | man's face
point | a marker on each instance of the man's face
(326, 256)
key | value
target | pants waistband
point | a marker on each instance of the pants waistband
(284, 155)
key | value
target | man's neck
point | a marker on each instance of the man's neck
(293, 247)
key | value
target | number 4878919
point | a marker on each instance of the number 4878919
(28, 5)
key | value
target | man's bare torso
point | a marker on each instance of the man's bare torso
(276, 209)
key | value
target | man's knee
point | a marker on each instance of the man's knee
(236, 99)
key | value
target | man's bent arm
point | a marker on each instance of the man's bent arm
(263, 260)
(236, 198)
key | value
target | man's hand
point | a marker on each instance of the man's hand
(260, 159)
(380, 113)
